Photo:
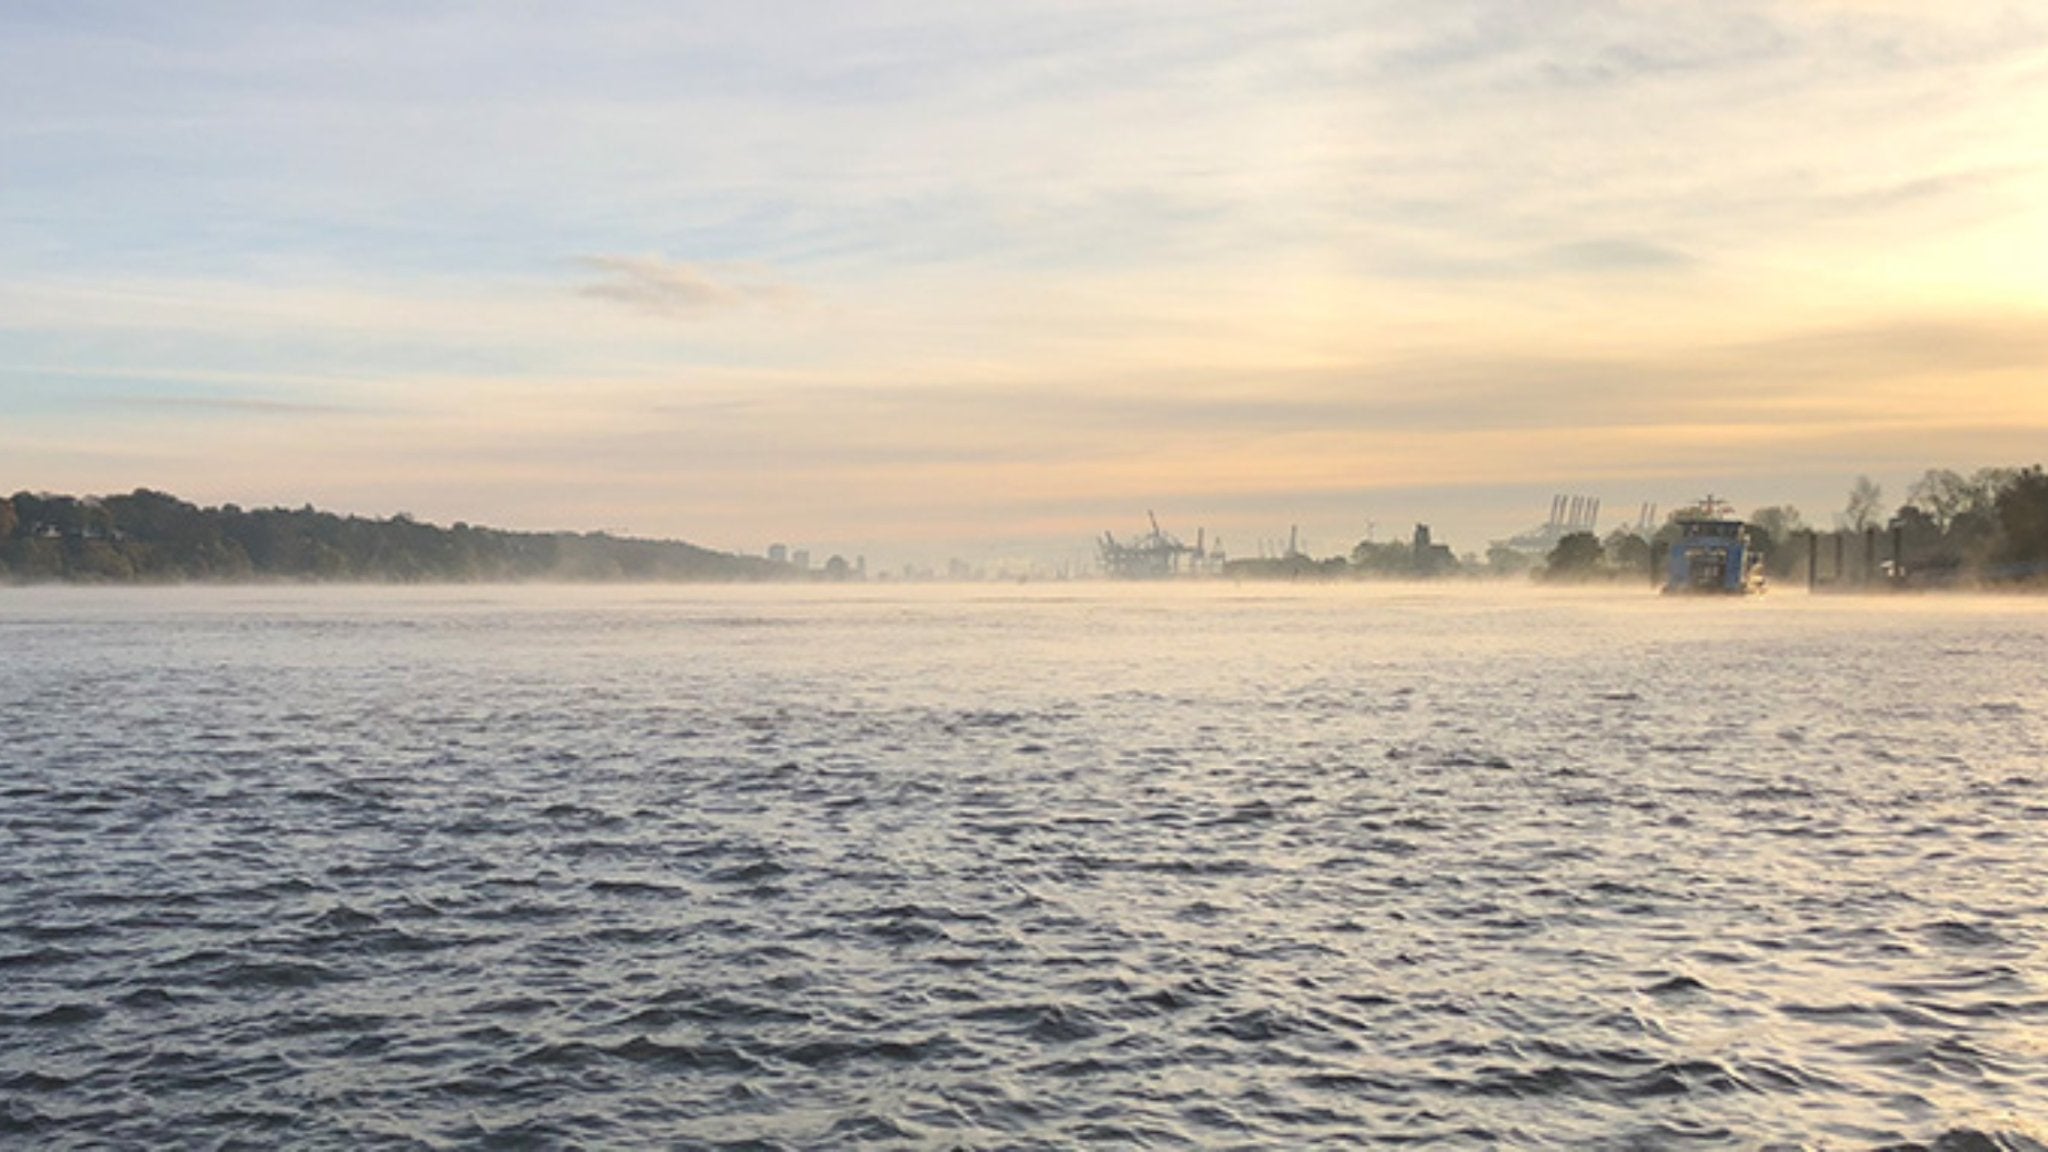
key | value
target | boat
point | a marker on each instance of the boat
(1713, 555)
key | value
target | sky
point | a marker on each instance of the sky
(917, 280)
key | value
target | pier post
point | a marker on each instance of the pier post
(1898, 553)
(1812, 559)
(1839, 575)
(1869, 555)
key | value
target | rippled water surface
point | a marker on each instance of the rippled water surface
(1038, 867)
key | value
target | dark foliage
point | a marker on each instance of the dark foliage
(1989, 526)
(152, 536)
(1579, 556)
(2022, 506)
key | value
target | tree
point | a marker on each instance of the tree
(1578, 556)
(1779, 521)
(1387, 558)
(1866, 505)
(98, 560)
(2023, 513)
(1502, 560)
(149, 535)
(37, 558)
(1947, 496)
(1628, 553)
(1941, 493)
(174, 539)
(1773, 529)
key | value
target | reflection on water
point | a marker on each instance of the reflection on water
(1003, 867)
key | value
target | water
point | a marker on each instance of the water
(1015, 868)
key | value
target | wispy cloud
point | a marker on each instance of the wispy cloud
(1615, 254)
(224, 405)
(674, 288)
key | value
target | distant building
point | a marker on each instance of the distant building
(778, 553)
(1431, 559)
(801, 558)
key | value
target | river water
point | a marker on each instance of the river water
(1021, 867)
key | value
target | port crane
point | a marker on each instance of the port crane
(1155, 555)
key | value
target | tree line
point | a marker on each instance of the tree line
(148, 536)
(1988, 526)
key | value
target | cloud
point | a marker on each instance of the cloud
(231, 406)
(1615, 254)
(673, 288)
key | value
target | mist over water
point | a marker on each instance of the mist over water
(1074, 866)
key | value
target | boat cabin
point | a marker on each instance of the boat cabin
(1714, 556)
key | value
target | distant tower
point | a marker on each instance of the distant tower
(1428, 557)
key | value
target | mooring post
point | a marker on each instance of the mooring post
(1812, 559)
(1898, 553)
(1840, 577)
(1869, 553)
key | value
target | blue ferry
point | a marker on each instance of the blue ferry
(1714, 556)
